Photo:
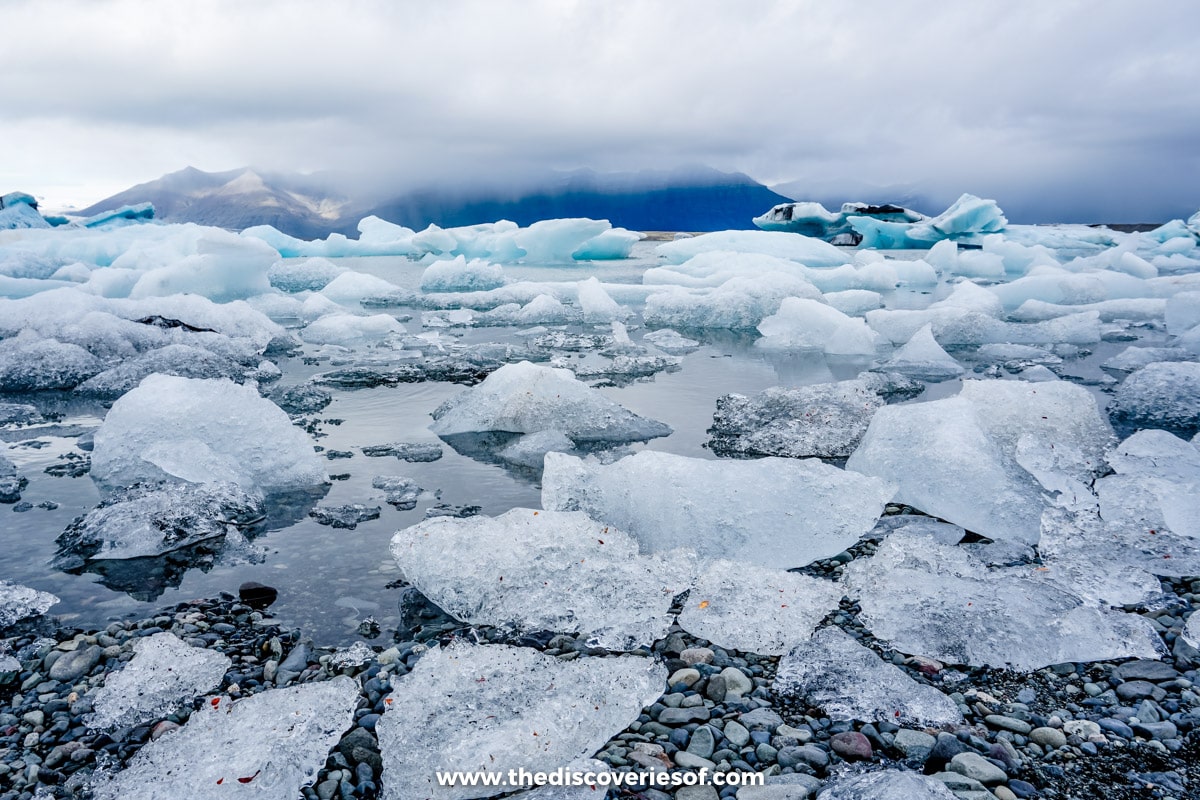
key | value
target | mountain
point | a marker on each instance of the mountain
(299, 205)
(691, 199)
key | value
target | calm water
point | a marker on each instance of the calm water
(329, 579)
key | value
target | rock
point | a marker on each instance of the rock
(736, 733)
(696, 793)
(1132, 691)
(1146, 670)
(977, 768)
(851, 745)
(1007, 724)
(1156, 730)
(696, 655)
(702, 743)
(1051, 738)
(687, 677)
(691, 761)
(915, 745)
(682, 716)
(257, 595)
(736, 682)
(72, 666)
(715, 689)
(763, 718)
(1083, 728)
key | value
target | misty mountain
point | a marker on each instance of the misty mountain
(692, 199)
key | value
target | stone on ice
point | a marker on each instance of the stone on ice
(202, 431)
(494, 708)
(266, 746)
(531, 571)
(163, 675)
(930, 599)
(773, 512)
(821, 421)
(763, 610)
(849, 681)
(527, 398)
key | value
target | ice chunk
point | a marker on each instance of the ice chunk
(266, 746)
(29, 363)
(202, 431)
(597, 305)
(403, 493)
(530, 450)
(888, 784)
(527, 398)
(967, 219)
(21, 602)
(922, 357)
(149, 520)
(934, 600)
(353, 287)
(460, 275)
(763, 610)
(822, 421)
(849, 681)
(414, 452)
(1160, 395)
(947, 466)
(773, 511)
(535, 571)
(1182, 312)
(345, 517)
(222, 266)
(312, 274)
(611, 244)
(1134, 357)
(163, 675)
(552, 241)
(736, 304)
(20, 215)
(174, 359)
(670, 341)
(792, 246)
(351, 329)
(495, 708)
(854, 301)
(801, 323)
(942, 532)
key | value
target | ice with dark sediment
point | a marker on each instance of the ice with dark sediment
(168, 428)
(153, 519)
(821, 421)
(414, 452)
(21, 602)
(1163, 395)
(888, 784)
(495, 708)
(849, 681)
(527, 398)
(403, 493)
(531, 570)
(774, 512)
(266, 746)
(742, 606)
(164, 674)
(346, 516)
(935, 600)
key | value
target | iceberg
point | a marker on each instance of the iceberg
(528, 398)
(460, 275)
(849, 681)
(353, 287)
(762, 610)
(739, 303)
(181, 360)
(1162, 395)
(793, 247)
(923, 358)
(531, 571)
(813, 219)
(597, 306)
(309, 275)
(202, 431)
(773, 512)
(19, 210)
(966, 220)
(32, 364)
(821, 421)
(267, 746)
(495, 708)
(529, 451)
(802, 323)
(21, 602)
(350, 329)
(222, 266)
(939, 601)
(163, 675)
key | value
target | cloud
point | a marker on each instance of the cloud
(1045, 106)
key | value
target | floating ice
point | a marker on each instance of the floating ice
(813, 219)
(763, 610)
(947, 466)
(934, 600)
(19, 210)
(670, 341)
(597, 305)
(922, 357)
(312, 274)
(543, 570)
(801, 323)
(182, 360)
(20, 602)
(821, 421)
(794, 247)
(265, 746)
(530, 450)
(403, 493)
(889, 784)
(163, 675)
(221, 266)
(1134, 357)
(202, 431)
(149, 520)
(967, 219)
(849, 681)
(345, 517)
(460, 275)
(493, 708)
(736, 304)
(353, 287)
(527, 398)
(1160, 395)
(32, 364)
(1182, 312)
(350, 329)
(772, 511)
(854, 301)
(405, 451)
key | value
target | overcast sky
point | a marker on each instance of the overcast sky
(1066, 110)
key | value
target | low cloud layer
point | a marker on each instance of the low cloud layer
(1065, 110)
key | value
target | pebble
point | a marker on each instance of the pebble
(696, 655)
(977, 768)
(851, 745)
(1052, 738)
